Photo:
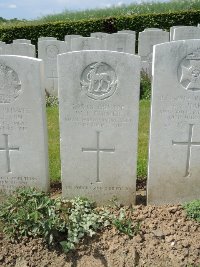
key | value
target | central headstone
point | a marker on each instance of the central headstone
(121, 42)
(23, 129)
(98, 102)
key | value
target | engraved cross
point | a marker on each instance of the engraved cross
(7, 149)
(98, 150)
(189, 145)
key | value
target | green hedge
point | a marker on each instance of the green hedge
(110, 25)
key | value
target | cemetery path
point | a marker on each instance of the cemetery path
(166, 238)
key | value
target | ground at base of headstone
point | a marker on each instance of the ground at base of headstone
(167, 237)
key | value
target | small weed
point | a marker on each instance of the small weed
(51, 101)
(145, 86)
(193, 210)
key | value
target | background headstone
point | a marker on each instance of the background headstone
(98, 101)
(68, 39)
(171, 33)
(174, 158)
(23, 129)
(21, 49)
(48, 51)
(146, 41)
(21, 41)
(100, 35)
(126, 31)
(121, 42)
(87, 43)
(186, 32)
(44, 38)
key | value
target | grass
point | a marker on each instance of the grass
(54, 146)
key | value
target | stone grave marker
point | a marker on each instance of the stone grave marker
(146, 41)
(126, 31)
(21, 41)
(121, 42)
(21, 49)
(100, 35)
(152, 29)
(48, 51)
(23, 129)
(44, 38)
(171, 33)
(174, 150)
(87, 43)
(68, 40)
(98, 101)
(186, 32)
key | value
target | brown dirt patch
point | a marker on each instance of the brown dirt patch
(167, 238)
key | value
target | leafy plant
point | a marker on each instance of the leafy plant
(32, 213)
(51, 101)
(193, 209)
(145, 86)
(125, 225)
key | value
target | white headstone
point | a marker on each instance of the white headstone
(171, 33)
(21, 41)
(186, 32)
(87, 43)
(21, 49)
(98, 101)
(23, 128)
(146, 41)
(121, 42)
(152, 29)
(48, 51)
(68, 39)
(174, 152)
(100, 35)
(127, 31)
(44, 38)
(2, 43)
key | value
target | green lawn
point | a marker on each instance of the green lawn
(54, 146)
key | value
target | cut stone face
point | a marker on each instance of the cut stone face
(100, 35)
(20, 49)
(147, 39)
(186, 32)
(21, 41)
(121, 42)
(87, 43)
(68, 40)
(126, 31)
(48, 51)
(172, 32)
(44, 38)
(23, 129)
(174, 151)
(98, 101)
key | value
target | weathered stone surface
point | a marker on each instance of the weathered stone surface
(127, 31)
(186, 32)
(20, 49)
(87, 43)
(152, 29)
(21, 41)
(121, 42)
(48, 51)
(174, 158)
(147, 39)
(68, 40)
(23, 130)
(100, 35)
(44, 38)
(98, 102)
(171, 33)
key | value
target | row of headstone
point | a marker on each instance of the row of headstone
(98, 103)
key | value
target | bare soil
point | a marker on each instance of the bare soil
(166, 238)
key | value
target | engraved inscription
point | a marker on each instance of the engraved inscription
(98, 150)
(189, 145)
(190, 71)
(99, 81)
(7, 149)
(10, 85)
(52, 51)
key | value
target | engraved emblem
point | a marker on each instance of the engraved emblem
(189, 76)
(99, 81)
(10, 85)
(52, 51)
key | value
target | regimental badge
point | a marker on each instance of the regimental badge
(10, 85)
(99, 81)
(190, 71)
